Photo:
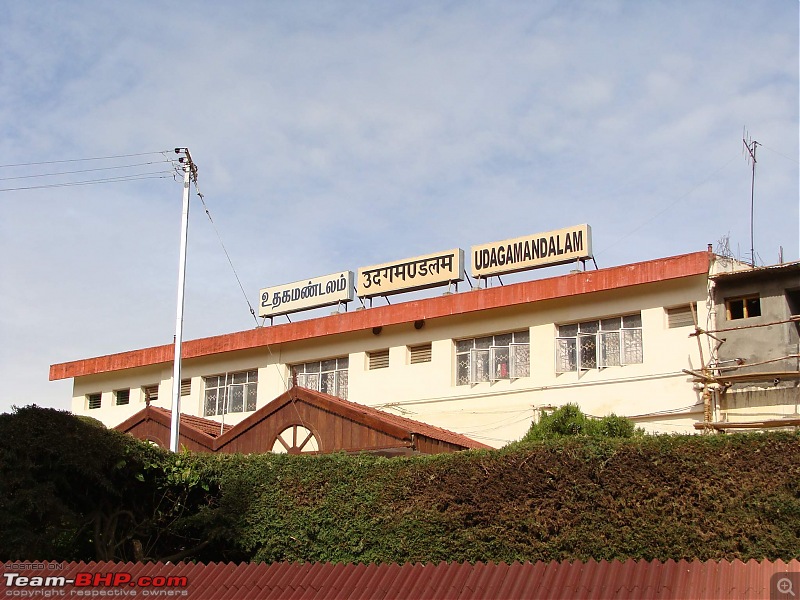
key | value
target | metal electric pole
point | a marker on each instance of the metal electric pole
(189, 175)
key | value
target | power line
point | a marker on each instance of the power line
(58, 173)
(121, 178)
(70, 160)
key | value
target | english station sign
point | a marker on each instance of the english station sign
(531, 252)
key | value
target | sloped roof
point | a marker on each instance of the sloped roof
(202, 431)
(562, 286)
(618, 580)
(207, 432)
(397, 426)
(207, 426)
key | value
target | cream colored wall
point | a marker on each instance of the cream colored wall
(496, 412)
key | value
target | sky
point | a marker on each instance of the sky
(335, 135)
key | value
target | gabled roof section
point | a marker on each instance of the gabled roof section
(395, 426)
(564, 286)
(197, 429)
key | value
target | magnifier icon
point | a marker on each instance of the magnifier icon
(784, 586)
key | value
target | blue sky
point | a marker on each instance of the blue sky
(335, 135)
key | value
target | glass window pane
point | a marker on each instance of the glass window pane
(480, 365)
(610, 324)
(520, 360)
(235, 398)
(566, 355)
(522, 337)
(753, 307)
(312, 367)
(252, 393)
(484, 342)
(462, 369)
(589, 327)
(252, 375)
(632, 346)
(632, 320)
(329, 365)
(211, 402)
(238, 377)
(327, 383)
(464, 345)
(341, 384)
(343, 363)
(588, 351)
(609, 349)
(568, 330)
(502, 340)
(500, 363)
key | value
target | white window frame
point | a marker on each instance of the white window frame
(226, 385)
(309, 375)
(486, 363)
(629, 344)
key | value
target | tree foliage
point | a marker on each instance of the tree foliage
(570, 421)
(70, 489)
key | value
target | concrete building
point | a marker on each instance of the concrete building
(754, 367)
(482, 363)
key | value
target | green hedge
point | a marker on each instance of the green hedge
(647, 497)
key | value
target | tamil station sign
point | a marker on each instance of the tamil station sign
(306, 294)
(420, 272)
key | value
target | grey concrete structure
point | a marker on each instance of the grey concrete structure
(757, 322)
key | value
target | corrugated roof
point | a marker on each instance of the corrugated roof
(563, 286)
(452, 581)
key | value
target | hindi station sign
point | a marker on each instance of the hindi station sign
(430, 270)
(306, 294)
(531, 252)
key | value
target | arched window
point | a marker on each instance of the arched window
(295, 439)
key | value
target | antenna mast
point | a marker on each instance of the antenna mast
(750, 145)
(189, 175)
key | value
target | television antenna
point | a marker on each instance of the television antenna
(750, 145)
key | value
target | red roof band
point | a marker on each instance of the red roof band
(562, 286)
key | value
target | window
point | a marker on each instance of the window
(494, 357)
(681, 316)
(378, 359)
(743, 307)
(419, 354)
(150, 393)
(122, 397)
(186, 387)
(295, 440)
(230, 393)
(326, 376)
(93, 400)
(597, 344)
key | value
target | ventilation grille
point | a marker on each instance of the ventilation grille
(680, 316)
(93, 401)
(186, 387)
(420, 354)
(379, 359)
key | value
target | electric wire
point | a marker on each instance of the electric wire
(58, 173)
(70, 160)
(119, 179)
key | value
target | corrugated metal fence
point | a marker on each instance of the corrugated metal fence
(451, 581)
